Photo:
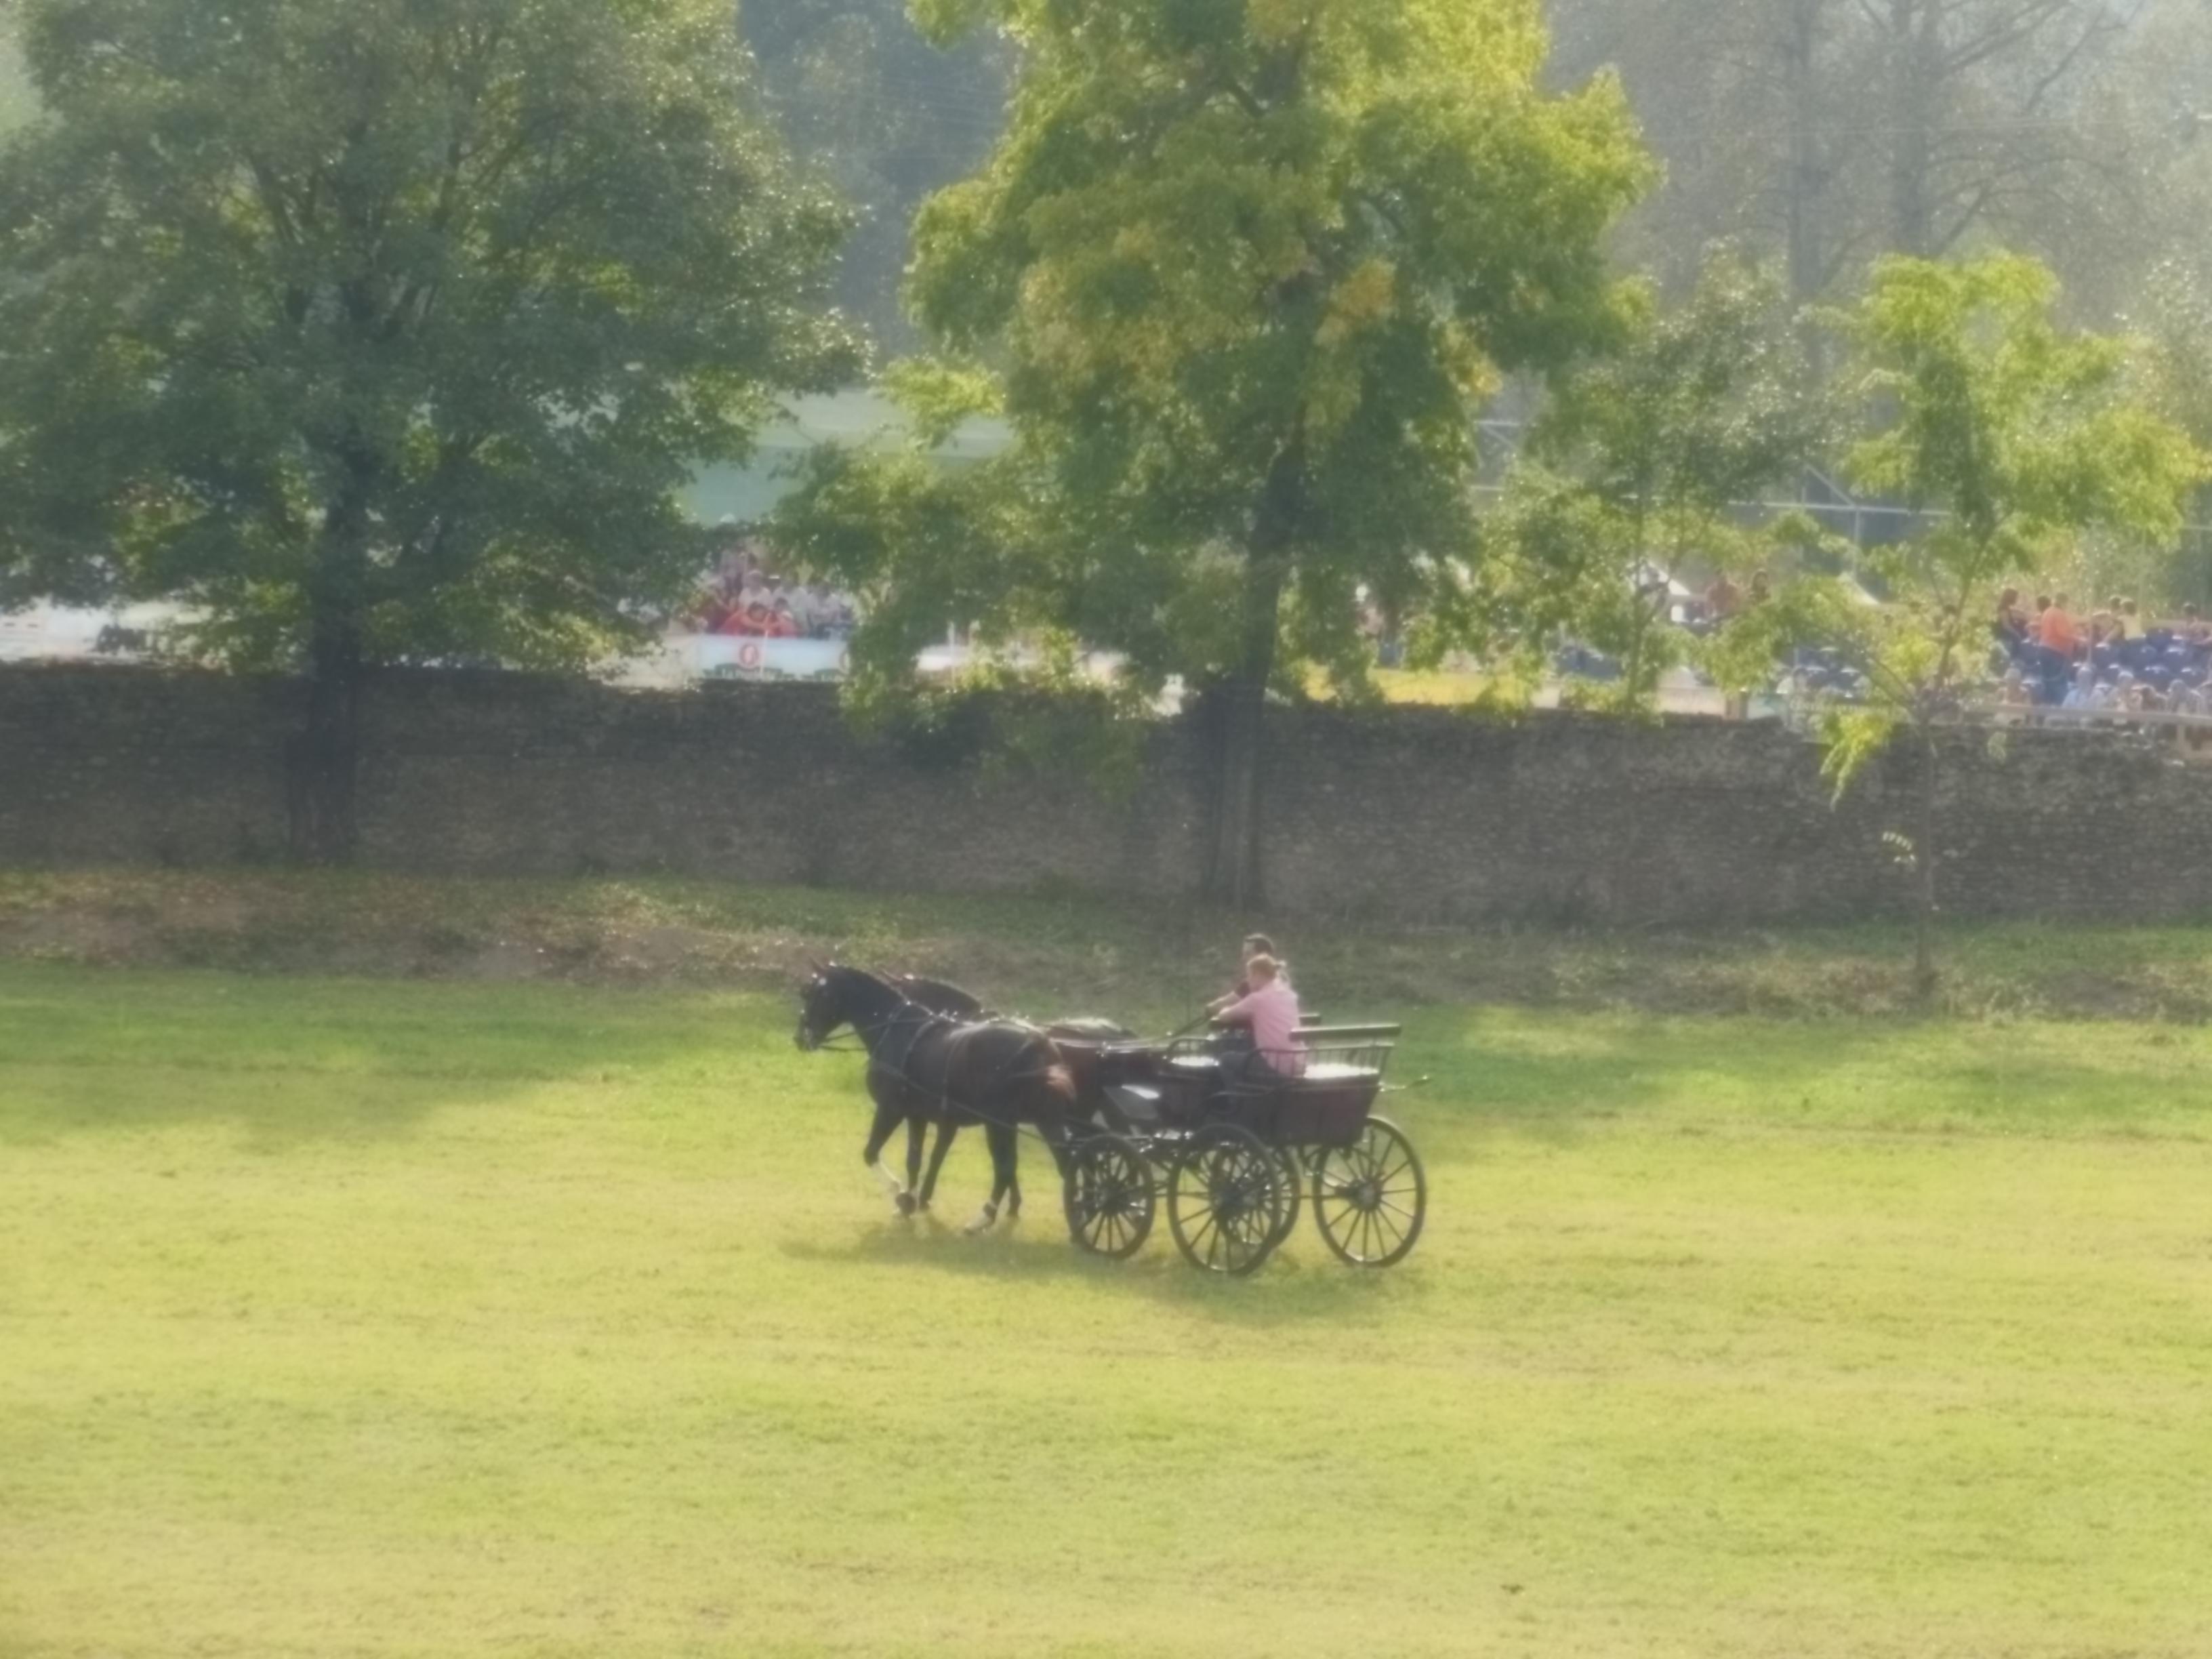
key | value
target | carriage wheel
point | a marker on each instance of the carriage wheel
(1371, 1198)
(1227, 1197)
(1110, 1203)
(1294, 1179)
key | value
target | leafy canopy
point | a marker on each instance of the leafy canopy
(1635, 470)
(387, 328)
(1239, 276)
(2009, 436)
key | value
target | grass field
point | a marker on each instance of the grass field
(347, 1317)
(1038, 952)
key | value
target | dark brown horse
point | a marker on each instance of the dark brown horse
(928, 1067)
(1078, 1039)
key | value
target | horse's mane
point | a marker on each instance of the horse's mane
(937, 996)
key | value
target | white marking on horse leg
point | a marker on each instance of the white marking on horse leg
(894, 1186)
(984, 1217)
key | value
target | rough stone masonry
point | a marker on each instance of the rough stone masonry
(1408, 814)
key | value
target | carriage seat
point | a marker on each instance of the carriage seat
(1333, 1071)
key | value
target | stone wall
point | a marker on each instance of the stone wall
(1410, 814)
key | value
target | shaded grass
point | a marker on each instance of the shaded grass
(399, 1318)
(1058, 954)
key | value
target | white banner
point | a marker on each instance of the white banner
(739, 657)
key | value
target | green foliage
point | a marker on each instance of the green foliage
(2012, 436)
(2175, 318)
(1245, 272)
(385, 330)
(867, 103)
(19, 104)
(1036, 715)
(2017, 432)
(1633, 469)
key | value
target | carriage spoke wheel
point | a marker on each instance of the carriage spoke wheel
(1371, 1198)
(1227, 1199)
(1111, 1202)
(1294, 1180)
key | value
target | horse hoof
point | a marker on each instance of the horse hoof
(907, 1203)
(980, 1223)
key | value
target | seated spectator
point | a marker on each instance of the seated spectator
(798, 597)
(1722, 599)
(2010, 623)
(2055, 629)
(2084, 692)
(782, 625)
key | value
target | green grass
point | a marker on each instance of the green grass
(377, 1318)
(1052, 953)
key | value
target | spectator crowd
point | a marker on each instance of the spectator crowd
(2109, 662)
(745, 598)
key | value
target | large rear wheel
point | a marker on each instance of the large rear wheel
(1110, 1201)
(1294, 1181)
(1228, 1195)
(1371, 1198)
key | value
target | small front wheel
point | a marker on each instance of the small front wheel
(1109, 1196)
(1371, 1198)
(1228, 1200)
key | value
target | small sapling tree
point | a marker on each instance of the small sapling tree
(1635, 470)
(2007, 436)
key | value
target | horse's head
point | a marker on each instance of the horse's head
(821, 1009)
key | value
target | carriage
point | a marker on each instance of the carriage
(1231, 1149)
(1234, 1151)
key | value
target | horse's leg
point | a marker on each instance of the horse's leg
(1001, 1140)
(946, 1128)
(889, 1115)
(914, 1128)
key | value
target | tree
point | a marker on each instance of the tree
(1639, 467)
(1827, 132)
(1244, 270)
(376, 331)
(2008, 436)
(885, 117)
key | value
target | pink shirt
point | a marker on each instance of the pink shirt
(1272, 1012)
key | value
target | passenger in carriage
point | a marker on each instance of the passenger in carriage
(1255, 945)
(1270, 1012)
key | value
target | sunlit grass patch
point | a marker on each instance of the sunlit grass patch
(401, 1318)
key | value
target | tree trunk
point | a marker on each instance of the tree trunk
(1923, 935)
(323, 757)
(1805, 197)
(1233, 873)
(1233, 868)
(1915, 52)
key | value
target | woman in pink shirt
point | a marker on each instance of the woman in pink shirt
(1270, 1009)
